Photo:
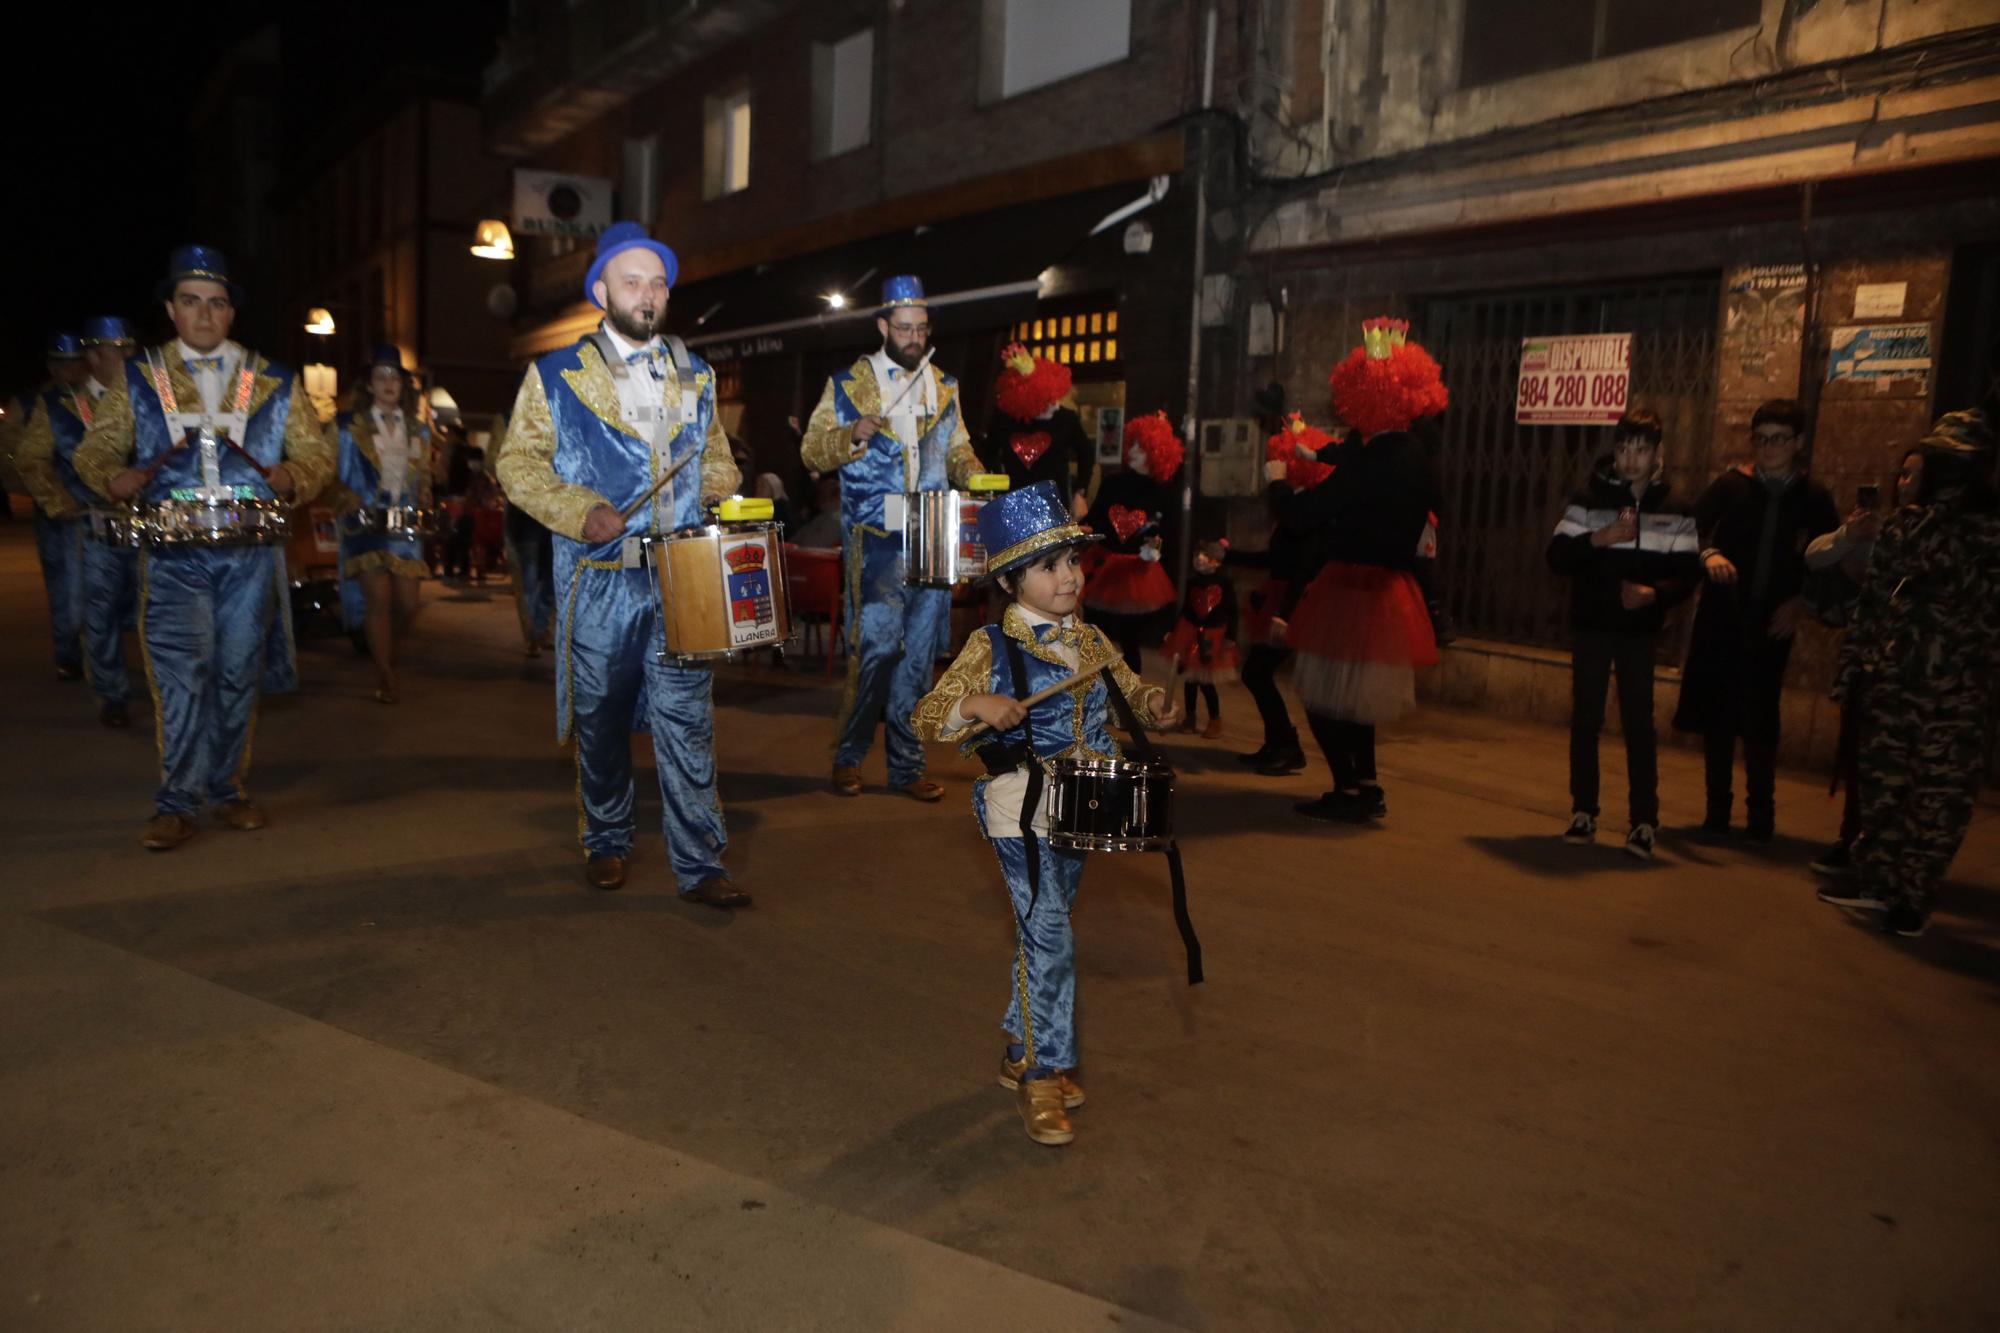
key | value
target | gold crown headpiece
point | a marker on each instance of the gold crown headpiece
(1018, 359)
(1383, 336)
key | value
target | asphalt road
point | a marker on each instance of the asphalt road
(388, 1064)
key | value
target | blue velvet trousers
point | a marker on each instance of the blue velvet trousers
(617, 684)
(59, 544)
(1041, 1007)
(895, 634)
(205, 618)
(110, 605)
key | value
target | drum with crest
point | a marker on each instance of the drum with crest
(722, 585)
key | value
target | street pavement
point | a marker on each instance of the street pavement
(387, 1064)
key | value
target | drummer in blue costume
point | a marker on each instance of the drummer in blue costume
(385, 462)
(53, 421)
(594, 427)
(1034, 548)
(895, 632)
(203, 418)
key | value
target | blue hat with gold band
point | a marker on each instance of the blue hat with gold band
(1019, 526)
(386, 354)
(904, 289)
(615, 240)
(101, 329)
(197, 261)
(64, 347)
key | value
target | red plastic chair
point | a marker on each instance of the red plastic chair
(815, 591)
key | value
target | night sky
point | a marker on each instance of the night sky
(95, 136)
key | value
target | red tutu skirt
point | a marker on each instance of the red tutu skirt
(1126, 585)
(1360, 632)
(1261, 608)
(1204, 655)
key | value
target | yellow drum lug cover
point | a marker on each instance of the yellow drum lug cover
(980, 482)
(745, 509)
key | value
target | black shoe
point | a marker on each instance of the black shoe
(1256, 757)
(1373, 804)
(1853, 898)
(1335, 807)
(1835, 861)
(1905, 920)
(1639, 842)
(1280, 763)
(1582, 830)
(1717, 823)
(1760, 830)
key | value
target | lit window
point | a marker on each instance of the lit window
(1110, 349)
(1096, 350)
(843, 91)
(725, 144)
(1038, 330)
(1065, 326)
(1111, 321)
(1097, 322)
(1062, 353)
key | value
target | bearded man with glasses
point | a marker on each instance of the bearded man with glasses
(1755, 521)
(888, 425)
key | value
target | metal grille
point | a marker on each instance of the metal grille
(1504, 485)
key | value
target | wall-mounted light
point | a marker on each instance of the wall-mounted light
(319, 320)
(493, 240)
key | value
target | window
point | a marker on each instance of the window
(1027, 43)
(1073, 340)
(725, 143)
(1507, 39)
(843, 87)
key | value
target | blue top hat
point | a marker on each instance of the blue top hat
(64, 347)
(197, 261)
(100, 329)
(1018, 526)
(386, 354)
(904, 289)
(615, 240)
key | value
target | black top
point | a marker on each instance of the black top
(1731, 514)
(1136, 500)
(1665, 556)
(1054, 450)
(1372, 510)
(1220, 609)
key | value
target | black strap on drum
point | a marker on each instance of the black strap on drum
(1017, 662)
(1144, 749)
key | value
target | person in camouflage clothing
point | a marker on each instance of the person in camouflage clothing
(1925, 647)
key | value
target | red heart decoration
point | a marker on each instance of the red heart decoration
(1127, 521)
(1204, 600)
(1028, 448)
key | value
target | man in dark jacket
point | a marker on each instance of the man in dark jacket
(1631, 553)
(1755, 523)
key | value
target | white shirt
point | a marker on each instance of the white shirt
(210, 382)
(1005, 792)
(639, 388)
(393, 451)
(906, 424)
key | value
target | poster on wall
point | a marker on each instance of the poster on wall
(1110, 434)
(1578, 379)
(1763, 316)
(554, 203)
(1879, 354)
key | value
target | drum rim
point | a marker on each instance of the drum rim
(708, 531)
(1084, 764)
(1099, 842)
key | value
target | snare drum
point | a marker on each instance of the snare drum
(115, 527)
(722, 589)
(413, 522)
(214, 522)
(1110, 805)
(941, 546)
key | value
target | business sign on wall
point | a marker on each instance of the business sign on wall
(1573, 379)
(552, 203)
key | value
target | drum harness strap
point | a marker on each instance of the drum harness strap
(163, 389)
(1144, 749)
(1000, 759)
(679, 404)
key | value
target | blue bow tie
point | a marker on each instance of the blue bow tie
(205, 363)
(1069, 634)
(647, 355)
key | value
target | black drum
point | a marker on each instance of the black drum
(1110, 805)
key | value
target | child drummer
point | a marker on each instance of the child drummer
(1034, 550)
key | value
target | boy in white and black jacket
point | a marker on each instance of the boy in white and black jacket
(1631, 552)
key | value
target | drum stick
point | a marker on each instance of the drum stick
(655, 488)
(1082, 674)
(909, 384)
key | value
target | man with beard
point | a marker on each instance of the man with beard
(204, 420)
(895, 632)
(594, 426)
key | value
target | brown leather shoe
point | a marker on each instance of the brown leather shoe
(1010, 1079)
(847, 782)
(1213, 731)
(166, 832)
(604, 872)
(717, 892)
(115, 715)
(923, 789)
(1042, 1115)
(241, 816)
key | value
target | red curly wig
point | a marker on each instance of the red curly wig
(1301, 473)
(1029, 385)
(1393, 392)
(1154, 436)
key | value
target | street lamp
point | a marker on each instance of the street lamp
(837, 300)
(492, 240)
(319, 320)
